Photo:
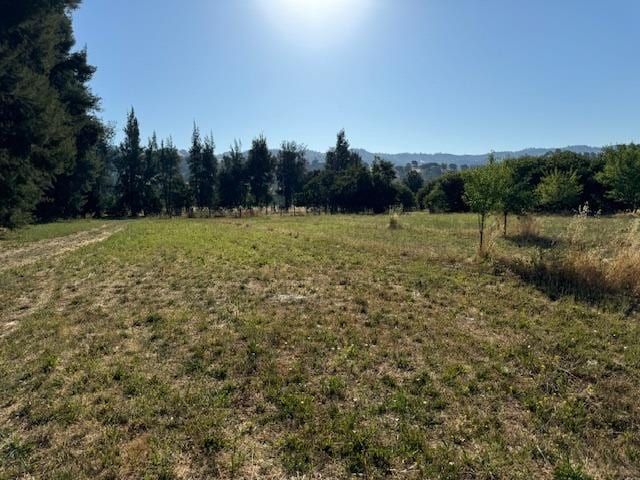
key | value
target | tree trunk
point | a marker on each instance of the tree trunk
(505, 224)
(481, 230)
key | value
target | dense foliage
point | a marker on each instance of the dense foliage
(50, 139)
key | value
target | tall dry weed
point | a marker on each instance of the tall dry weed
(623, 269)
(581, 271)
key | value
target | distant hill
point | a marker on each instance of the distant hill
(316, 158)
(448, 158)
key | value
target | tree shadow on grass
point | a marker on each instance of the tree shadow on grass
(581, 280)
(539, 241)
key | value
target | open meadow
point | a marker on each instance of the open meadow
(314, 347)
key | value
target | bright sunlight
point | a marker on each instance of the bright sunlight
(316, 23)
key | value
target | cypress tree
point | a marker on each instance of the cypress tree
(129, 165)
(195, 168)
(233, 179)
(208, 175)
(151, 202)
(172, 186)
(260, 170)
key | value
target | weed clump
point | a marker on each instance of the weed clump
(394, 222)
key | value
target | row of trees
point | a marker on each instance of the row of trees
(558, 182)
(148, 180)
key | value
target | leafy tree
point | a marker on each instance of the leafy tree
(130, 173)
(483, 191)
(316, 192)
(559, 190)
(517, 196)
(414, 181)
(233, 179)
(445, 194)
(260, 170)
(384, 192)
(404, 196)
(290, 171)
(621, 174)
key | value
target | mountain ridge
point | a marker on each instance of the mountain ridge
(401, 159)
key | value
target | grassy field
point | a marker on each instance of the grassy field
(315, 347)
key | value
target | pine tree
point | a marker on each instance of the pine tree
(129, 165)
(341, 157)
(260, 171)
(209, 175)
(233, 179)
(290, 171)
(172, 186)
(151, 202)
(195, 168)
(48, 133)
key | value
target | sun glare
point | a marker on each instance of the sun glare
(315, 23)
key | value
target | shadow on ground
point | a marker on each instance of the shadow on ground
(539, 241)
(557, 277)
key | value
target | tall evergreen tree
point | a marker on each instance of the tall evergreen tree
(208, 187)
(101, 198)
(48, 132)
(172, 186)
(129, 165)
(233, 179)
(290, 171)
(151, 202)
(341, 157)
(260, 170)
(195, 166)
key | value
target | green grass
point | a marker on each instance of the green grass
(33, 233)
(329, 346)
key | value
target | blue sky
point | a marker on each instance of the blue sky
(457, 76)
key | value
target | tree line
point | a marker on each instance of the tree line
(58, 160)
(559, 182)
(148, 180)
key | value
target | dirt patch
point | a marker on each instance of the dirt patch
(34, 252)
